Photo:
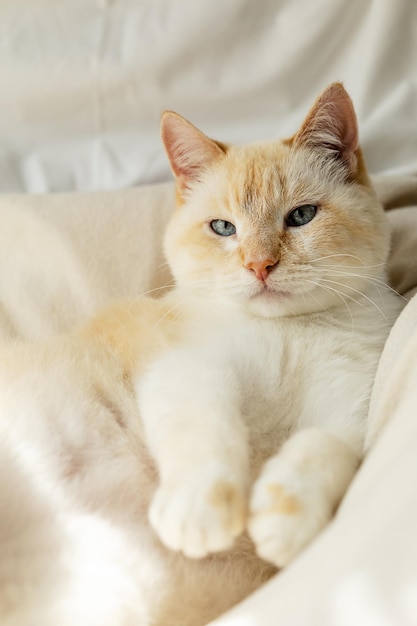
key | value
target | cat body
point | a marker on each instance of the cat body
(174, 452)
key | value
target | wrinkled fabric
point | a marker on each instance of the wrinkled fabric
(84, 81)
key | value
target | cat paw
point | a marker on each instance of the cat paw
(286, 513)
(202, 514)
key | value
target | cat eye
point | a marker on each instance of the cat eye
(223, 228)
(301, 215)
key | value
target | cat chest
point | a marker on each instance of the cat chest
(272, 376)
(286, 378)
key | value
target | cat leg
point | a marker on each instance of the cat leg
(297, 493)
(189, 403)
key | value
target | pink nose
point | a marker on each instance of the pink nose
(261, 269)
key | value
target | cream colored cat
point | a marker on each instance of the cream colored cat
(231, 413)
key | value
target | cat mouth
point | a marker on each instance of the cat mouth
(269, 301)
(266, 292)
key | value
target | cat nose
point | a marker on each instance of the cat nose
(261, 269)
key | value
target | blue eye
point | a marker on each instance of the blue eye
(223, 228)
(301, 215)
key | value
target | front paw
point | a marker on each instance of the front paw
(286, 511)
(200, 514)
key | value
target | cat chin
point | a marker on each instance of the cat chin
(285, 304)
(271, 304)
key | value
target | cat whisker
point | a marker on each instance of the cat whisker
(170, 310)
(339, 294)
(164, 264)
(338, 255)
(354, 267)
(369, 278)
(154, 290)
(363, 295)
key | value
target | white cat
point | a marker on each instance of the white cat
(231, 412)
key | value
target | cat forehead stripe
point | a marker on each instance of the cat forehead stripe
(262, 186)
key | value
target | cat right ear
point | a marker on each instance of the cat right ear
(331, 127)
(189, 151)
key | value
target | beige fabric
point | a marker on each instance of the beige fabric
(64, 256)
(396, 191)
(393, 371)
(400, 192)
(403, 262)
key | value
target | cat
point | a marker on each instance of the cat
(163, 461)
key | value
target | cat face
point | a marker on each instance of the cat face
(282, 228)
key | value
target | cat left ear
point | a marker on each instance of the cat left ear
(189, 151)
(331, 127)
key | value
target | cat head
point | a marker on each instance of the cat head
(281, 227)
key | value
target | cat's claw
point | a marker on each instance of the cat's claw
(200, 515)
(286, 513)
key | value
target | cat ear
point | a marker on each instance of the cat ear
(189, 151)
(331, 127)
